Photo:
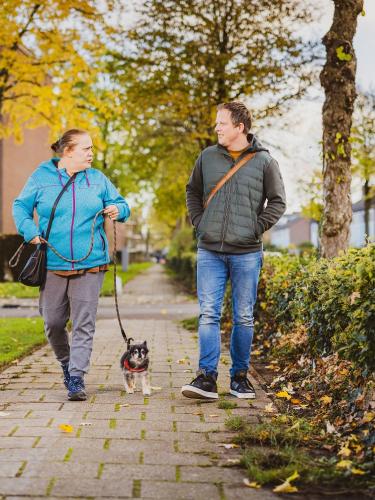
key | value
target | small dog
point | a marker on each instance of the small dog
(134, 362)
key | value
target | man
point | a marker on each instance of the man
(229, 232)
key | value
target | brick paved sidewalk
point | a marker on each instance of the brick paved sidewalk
(121, 446)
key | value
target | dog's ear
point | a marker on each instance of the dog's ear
(145, 343)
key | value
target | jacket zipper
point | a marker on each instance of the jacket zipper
(225, 219)
(72, 224)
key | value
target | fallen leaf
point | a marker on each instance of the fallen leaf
(286, 487)
(283, 394)
(234, 461)
(296, 425)
(294, 476)
(345, 451)
(295, 401)
(344, 464)
(181, 361)
(253, 484)
(228, 446)
(256, 353)
(197, 413)
(156, 388)
(66, 428)
(269, 408)
(331, 429)
(358, 472)
(125, 405)
(189, 370)
(4, 414)
(368, 416)
(326, 399)
(213, 415)
(354, 296)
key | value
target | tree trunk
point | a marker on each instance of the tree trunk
(338, 80)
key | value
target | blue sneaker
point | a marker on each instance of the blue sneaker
(65, 369)
(76, 388)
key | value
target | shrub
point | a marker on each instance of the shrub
(332, 300)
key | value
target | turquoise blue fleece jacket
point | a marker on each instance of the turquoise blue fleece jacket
(70, 234)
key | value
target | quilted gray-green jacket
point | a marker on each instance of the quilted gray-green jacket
(238, 214)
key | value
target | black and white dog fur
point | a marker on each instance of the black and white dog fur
(134, 364)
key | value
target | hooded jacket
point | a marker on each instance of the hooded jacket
(70, 233)
(237, 215)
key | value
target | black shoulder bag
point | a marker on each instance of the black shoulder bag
(34, 272)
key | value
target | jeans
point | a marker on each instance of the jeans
(213, 271)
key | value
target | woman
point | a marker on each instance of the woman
(71, 289)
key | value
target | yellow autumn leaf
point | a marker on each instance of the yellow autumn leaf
(256, 352)
(345, 451)
(283, 394)
(66, 428)
(358, 472)
(368, 416)
(269, 408)
(285, 488)
(326, 399)
(295, 401)
(294, 476)
(253, 484)
(344, 464)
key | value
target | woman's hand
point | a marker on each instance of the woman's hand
(35, 241)
(112, 211)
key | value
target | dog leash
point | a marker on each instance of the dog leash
(126, 339)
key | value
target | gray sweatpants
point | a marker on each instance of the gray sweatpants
(75, 297)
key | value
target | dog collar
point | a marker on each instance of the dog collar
(131, 369)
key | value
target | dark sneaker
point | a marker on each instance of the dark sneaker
(241, 387)
(202, 387)
(76, 388)
(65, 369)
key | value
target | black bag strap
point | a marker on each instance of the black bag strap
(51, 217)
(13, 261)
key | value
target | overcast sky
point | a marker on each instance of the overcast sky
(300, 132)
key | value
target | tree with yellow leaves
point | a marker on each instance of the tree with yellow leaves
(50, 59)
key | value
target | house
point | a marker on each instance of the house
(294, 229)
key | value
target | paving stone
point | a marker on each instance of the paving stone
(17, 442)
(180, 491)
(23, 486)
(9, 468)
(49, 468)
(78, 486)
(156, 472)
(175, 458)
(211, 474)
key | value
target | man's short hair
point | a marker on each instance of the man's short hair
(238, 113)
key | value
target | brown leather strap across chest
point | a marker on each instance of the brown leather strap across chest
(227, 176)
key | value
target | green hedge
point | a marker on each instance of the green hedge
(184, 267)
(333, 300)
